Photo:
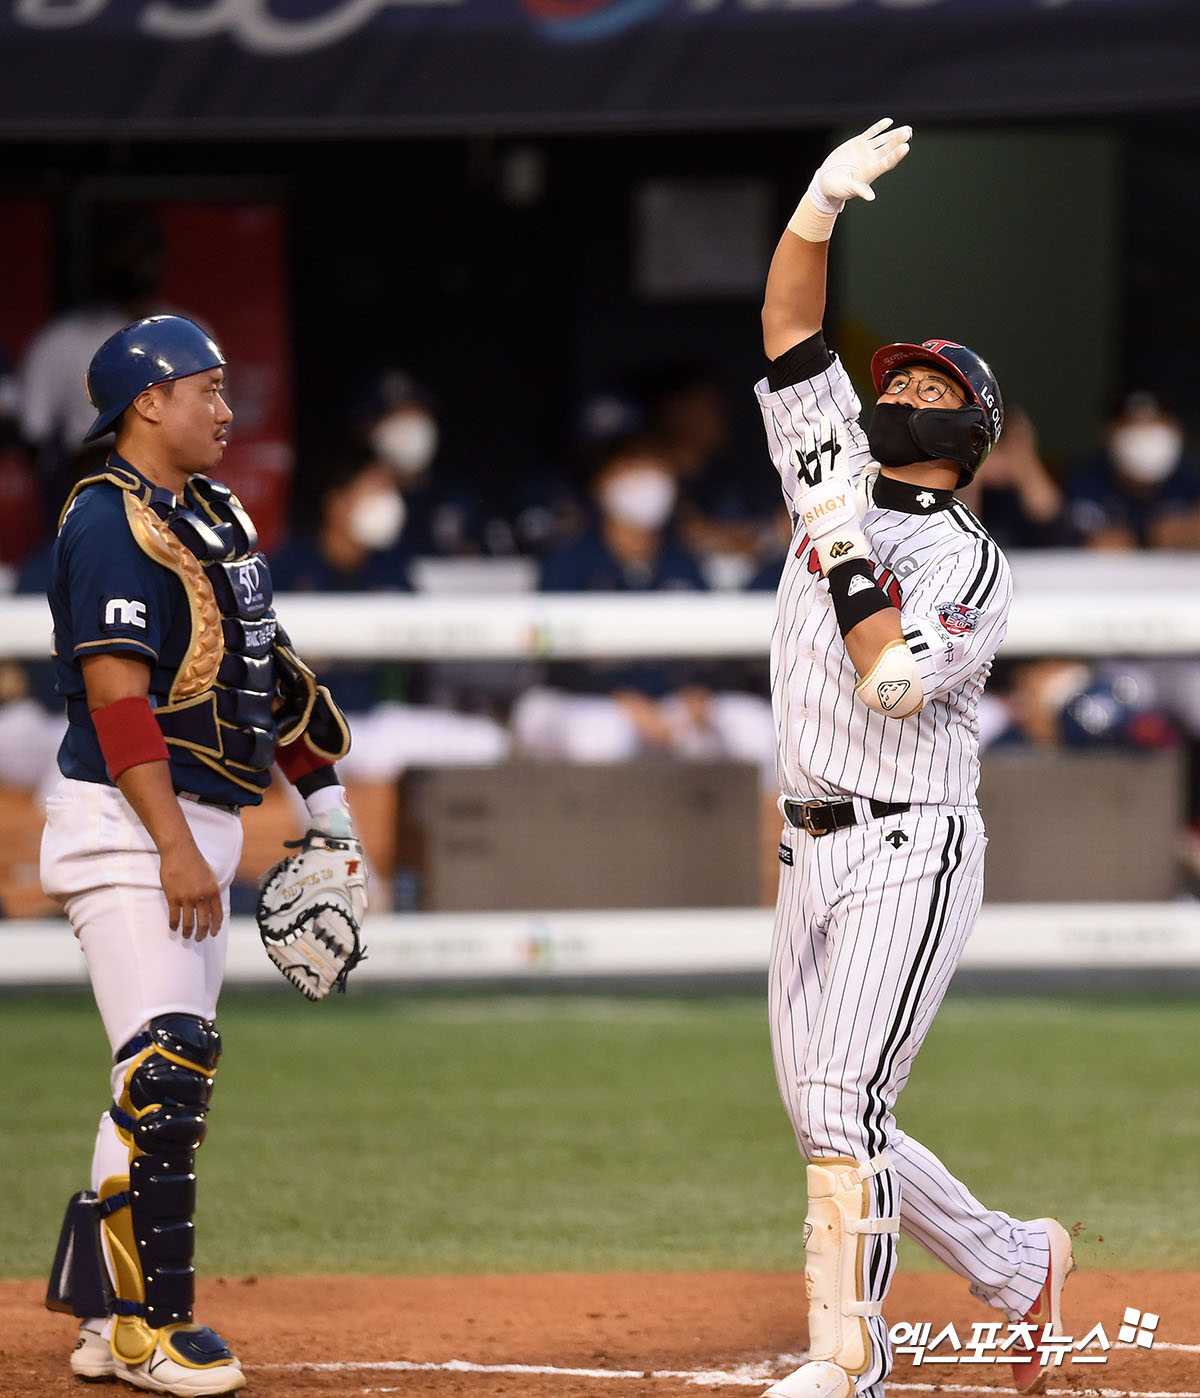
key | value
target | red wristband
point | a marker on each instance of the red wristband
(298, 760)
(129, 734)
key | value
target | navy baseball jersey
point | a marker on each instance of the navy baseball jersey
(108, 596)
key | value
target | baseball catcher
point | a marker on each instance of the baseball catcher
(182, 695)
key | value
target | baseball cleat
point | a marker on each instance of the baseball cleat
(817, 1379)
(1029, 1375)
(189, 1361)
(92, 1358)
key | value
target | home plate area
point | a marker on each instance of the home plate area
(662, 1335)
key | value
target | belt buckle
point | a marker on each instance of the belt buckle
(805, 808)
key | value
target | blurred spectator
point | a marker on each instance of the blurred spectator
(611, 712)
(1118, 703)
(32, 713)
(395, 421)
(1140, 490)
(30, 733)
(1014, 495)
(359, 546)
(127, 271)
(722, 510)
(547, 505)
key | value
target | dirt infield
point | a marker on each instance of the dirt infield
(613, 1336)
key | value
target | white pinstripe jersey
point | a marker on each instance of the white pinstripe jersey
(954, 589)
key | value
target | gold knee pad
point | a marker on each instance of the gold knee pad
(839, 1216)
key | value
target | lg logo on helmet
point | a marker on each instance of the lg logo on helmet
(988, 399)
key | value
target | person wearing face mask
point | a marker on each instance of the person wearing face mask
(395, 423)
(891, 605)
(606, 712)
(360, 544)
(1140, 490)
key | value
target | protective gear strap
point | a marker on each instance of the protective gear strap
(856, 595)
(129, 734)
(893, 686)
(876, 1225)
(864, 1309)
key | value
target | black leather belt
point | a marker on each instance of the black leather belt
(824, 817)
(208, 801)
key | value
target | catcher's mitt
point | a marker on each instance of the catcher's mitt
(310, 909)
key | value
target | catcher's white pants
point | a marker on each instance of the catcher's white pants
(869, 927)
(99, 862)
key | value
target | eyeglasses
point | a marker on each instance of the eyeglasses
(929, 388)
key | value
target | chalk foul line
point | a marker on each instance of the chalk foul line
(742, 1376)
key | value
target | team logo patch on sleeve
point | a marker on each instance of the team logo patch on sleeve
(957, 618)
(122, 613)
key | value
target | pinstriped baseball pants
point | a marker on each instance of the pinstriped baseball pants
(869, 927)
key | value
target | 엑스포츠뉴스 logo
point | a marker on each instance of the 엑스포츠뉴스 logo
(957, 618)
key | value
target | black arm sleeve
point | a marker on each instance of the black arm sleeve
(314, 781)
(803, 361)
(867, 597)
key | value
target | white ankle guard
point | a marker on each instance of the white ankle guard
(839, 1207)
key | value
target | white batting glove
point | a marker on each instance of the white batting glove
(848, 173)
(828, 508)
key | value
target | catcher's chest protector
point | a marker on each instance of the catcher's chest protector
(219, 704)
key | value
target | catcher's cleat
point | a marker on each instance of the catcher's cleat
(188, 1361)
(1029, 1374)
(92, 1358)
(817, 1379)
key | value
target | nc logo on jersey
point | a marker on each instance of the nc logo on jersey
(957, 618)
(123, 611)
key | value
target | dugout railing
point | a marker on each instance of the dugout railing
(1065, 604)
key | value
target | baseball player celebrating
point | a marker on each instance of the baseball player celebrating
(890, 608)
(180, 686)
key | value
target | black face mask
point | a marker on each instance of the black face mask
(902, 436)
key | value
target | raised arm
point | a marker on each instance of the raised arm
(794, 302)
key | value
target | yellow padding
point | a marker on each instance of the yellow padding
(838, 1198)
(132, 1339)
(126, 1102)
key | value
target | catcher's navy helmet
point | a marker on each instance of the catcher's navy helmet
(150, 351)
(964, 366)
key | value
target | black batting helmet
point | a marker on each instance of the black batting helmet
(965, 367)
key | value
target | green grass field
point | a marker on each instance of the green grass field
(385, 1134)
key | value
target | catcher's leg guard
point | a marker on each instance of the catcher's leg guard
(146, 1215)
(839, 1218)
(78, 1278)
